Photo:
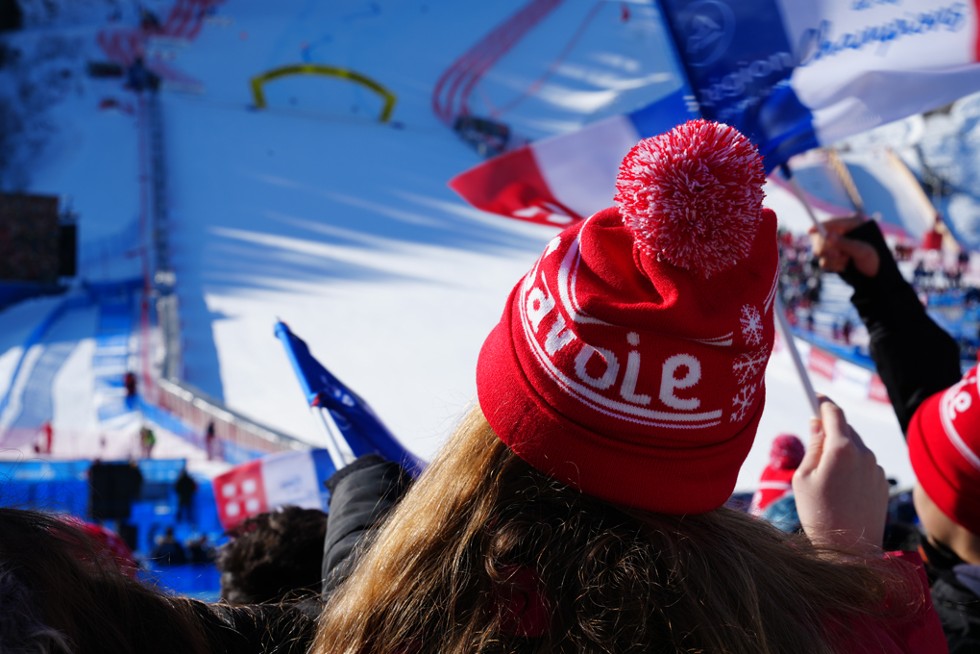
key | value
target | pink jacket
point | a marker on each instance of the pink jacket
(921, 633)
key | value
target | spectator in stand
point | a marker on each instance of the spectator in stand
(199, 549)
(847, 329)
(785, 455)
(147, 441)
(185, 487)
(580, 506)
(211, 441)
(168, 550)
(129, 384)
(273, 556)
(938, 409)
(45, 442)
(963, 261)
(62, 591)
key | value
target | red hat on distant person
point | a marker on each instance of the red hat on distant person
(629, 362)
(944, 448)
(786, 452)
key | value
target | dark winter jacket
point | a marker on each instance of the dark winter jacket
(956, 596)
(915, 359)
(361, 495)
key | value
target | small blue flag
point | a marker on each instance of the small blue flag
(357, 422)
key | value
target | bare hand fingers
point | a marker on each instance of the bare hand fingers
(836, 428)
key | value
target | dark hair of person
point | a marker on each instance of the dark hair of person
(273, 556)
(62, 592)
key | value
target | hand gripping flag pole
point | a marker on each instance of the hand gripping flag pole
(351, 426)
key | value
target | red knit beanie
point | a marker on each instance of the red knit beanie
(944, 448)
(787, 452)
(629, 362)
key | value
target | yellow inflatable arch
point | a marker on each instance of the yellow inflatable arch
(315, 69)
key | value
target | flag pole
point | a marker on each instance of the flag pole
(784, 331)
(340, 456)
(798, 192)
(781, 324)
(844, 175)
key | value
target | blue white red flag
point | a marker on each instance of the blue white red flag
(275, 480)
(360, 426)
(566, 178)
(795, 75)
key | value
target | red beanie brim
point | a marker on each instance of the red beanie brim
(947, 477)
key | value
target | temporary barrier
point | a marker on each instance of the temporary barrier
(317, 69)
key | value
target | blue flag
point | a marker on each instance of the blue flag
(360, 426)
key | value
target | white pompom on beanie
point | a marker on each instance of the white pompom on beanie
(629, 362)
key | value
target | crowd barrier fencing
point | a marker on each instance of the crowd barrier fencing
(240, 438)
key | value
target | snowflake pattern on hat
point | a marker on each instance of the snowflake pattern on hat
(747, 367)
(751, 322)
(743, 401)
(750, 366)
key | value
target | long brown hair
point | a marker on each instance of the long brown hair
(615, 580)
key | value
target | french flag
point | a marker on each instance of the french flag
(566, 178)
(790, 75)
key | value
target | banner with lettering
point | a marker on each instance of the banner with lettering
(796, 75)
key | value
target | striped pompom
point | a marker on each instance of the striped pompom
(693, 196)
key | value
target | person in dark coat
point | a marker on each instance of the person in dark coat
(185, 487)
(938, 409)
(99, 492)
(168, 550)
(211, 441)
(129, 384)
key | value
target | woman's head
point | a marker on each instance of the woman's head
(273, 556)
(629, 362)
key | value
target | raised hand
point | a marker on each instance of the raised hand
(841, 491)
